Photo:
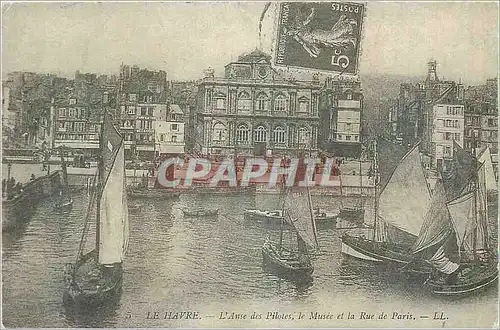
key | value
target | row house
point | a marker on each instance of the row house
(169, 133)
(448, 126)
(141, 101)
(252, 110)
(341, 113)
(77, 124)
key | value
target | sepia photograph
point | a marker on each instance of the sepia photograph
(252, 164)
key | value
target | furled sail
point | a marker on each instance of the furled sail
(485, 158)
(297, 209)
(436, 226)
(112, 210)
(405, 199)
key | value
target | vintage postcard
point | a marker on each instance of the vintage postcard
(250, 164)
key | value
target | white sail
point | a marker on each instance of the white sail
(113, 220)
(442, 263)
(462, 213)
(477, 232)
(485, 158)
(405, 199)
(298, 210)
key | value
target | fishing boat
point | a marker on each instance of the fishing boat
(356, 213)
(200, 212)
(455, 238)
(293, 260)
(64, 203)
(400, 209)
(274, 217)
(151, 193)
(96, 276)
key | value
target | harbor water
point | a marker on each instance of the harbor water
(211, 266)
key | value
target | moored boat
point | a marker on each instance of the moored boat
(400, 209)
(200, 212)
(151, 193)
(96, 276)
(274, 217)
(455, 240)
(293, 260)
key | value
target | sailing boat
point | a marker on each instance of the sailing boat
(293, 261)
(454, 238)
(97, 275)
(400, 208)
(65, 203)
(355, 214)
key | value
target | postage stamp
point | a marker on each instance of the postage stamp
(249, 164)
(323, 36)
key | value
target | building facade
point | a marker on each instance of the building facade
(481, 119)
(448, 125)
(252, 110)
(341, 112)
(142, 99)
(169, 133)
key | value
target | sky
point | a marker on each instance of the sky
(185, 38)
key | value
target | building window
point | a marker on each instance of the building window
(131, 110)
(244, 101)
(262, 101)
(260, 134)
(448, 136)
(174, 127)
(468, 120)
(339, 136)
(242, 133)
(162, 137)
(348, 127)
(356, 137)
(281, 103)
(219, 132)
(304, 136)
(447, 151)
(173, 138)
(303, 104)
(348, 137)
(150, 111)
(279, 135)
(349, 96)
(457, 136)
(72, 101)
(491, 122)
(132, 97)
(143, 111)
(220, 101)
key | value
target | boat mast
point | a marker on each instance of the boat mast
(100, 172)
(360, 184)
(375, 173)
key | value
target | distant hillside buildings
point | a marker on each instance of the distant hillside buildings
(438, 112)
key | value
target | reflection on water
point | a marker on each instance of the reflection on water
(175, 263)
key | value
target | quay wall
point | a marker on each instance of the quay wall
(20, 207)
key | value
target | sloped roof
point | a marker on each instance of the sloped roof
(175, 109)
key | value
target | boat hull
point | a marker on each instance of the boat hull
(211, 213)
(287, 268)
(392, 255)
(152, 194)
(89, 294)
(65, 207)
(485, 279)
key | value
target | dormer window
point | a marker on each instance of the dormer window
(72, 101)
(132, 97)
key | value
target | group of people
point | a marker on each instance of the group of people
(10, 188)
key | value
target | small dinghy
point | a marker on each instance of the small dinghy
(200, 212)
